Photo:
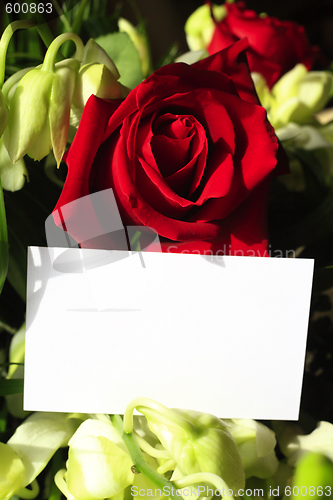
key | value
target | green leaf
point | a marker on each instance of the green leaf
(3, 241)
(123, 53)
(11, 386)
(17, 270)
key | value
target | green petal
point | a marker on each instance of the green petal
(98, 80)
(13, 175)
(97, 468)
(11, 472)
(38, 438)
(28, 113)
(60, 106)
(97, 428)
(315, 89)
(93, 53)
(262, 467)
(288, 86)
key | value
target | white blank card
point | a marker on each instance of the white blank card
(219, 334)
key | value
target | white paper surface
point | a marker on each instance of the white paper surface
(223, 335)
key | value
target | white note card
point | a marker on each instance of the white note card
(218, 334)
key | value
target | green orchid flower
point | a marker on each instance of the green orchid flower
(196, 443)
(256, 444)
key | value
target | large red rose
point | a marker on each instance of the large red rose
(189, 153)
(275, 46)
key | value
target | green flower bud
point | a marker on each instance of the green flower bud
(140, 43)
(98, 75)
(200, 26)
(40, 111)
(313, 474)
(93, 53)
(197, 442)
(256, 444)
(298, 95)
(13, 175)
(11, 472)
(97, 79)
(40, 107)
(3, 114)
(98, 464)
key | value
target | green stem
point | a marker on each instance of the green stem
(51, 54)
(4, 42)
(157, 407)
(142, 466)
(205, 477)
(29, 494)
(150, 450)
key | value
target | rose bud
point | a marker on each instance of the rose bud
(197, 442)
(275, 46)
(256, 444)
(298, 95)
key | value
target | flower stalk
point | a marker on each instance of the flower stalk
(4, 42)
(163, 410)
(51, 54)
(141, 465)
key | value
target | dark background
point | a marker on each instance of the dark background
(165, 20)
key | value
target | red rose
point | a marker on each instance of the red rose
(275, 46)
(189, 153)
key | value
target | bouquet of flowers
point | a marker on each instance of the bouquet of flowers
(224, 149)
